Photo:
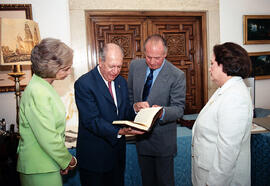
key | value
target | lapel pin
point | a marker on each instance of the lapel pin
(118, 86)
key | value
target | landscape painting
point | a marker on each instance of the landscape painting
(260, 64)
(256, 29)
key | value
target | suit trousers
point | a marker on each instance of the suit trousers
(157, 170)
(114, 177)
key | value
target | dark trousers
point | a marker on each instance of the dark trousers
(111, 178)
(157, 171)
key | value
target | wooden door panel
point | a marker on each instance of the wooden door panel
(182, 52)
(128, 33)
(182, 33)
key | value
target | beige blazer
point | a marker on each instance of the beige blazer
(221, 137)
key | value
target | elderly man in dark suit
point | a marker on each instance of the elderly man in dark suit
(102, 96)
(154, 81)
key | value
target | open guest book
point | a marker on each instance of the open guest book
(144, 120)
(263, 123)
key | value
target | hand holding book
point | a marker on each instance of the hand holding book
(144, 120)
(129, 131)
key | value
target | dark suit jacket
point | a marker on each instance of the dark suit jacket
(98, 147)
(168, 90)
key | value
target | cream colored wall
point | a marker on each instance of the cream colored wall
(232, 17)
(78, 28)
(53, 20)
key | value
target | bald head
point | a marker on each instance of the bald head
(110, 48)
(111, 60)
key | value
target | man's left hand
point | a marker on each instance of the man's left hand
(160, 112)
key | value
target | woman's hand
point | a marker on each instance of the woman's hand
(72, 163)
(64, 172)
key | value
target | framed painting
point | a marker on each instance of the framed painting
(17, 39)
(260, 64)
(256, 29)
(7, 83)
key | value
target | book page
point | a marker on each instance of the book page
(146, 115)
(131, 124)
(258, 129)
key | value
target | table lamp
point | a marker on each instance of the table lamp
(17, 39)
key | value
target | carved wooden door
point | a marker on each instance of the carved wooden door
(129, 33)
(129, 30)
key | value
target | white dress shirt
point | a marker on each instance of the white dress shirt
(113, 92)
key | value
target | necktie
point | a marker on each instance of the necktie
(110, 88)
(147, 85)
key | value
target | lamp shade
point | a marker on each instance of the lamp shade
(17, 39)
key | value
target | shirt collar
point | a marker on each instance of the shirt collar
(106, 82)
(229, 83)
(156, 71)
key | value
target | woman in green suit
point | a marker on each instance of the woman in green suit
(42, 151)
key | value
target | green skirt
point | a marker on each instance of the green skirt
(42, 179)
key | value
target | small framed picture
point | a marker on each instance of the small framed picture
(260, 64)
(23, 11)
(256, 29)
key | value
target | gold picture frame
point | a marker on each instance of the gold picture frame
(260, 65)
(256, 29)
(23, 11)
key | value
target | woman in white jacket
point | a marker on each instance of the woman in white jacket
(221, 133)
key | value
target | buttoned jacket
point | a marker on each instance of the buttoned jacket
(221, 137)
(42, 129)
(98, 147)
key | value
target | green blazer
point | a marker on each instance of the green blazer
(42, 125)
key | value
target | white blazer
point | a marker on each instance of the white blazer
(221, 137)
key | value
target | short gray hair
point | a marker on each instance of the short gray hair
(49, 56)
(156, 38)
